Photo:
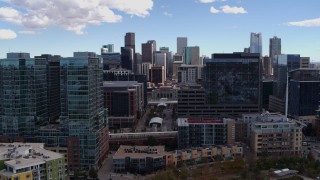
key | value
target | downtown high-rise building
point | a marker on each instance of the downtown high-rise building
(82, 110)
(127, 58)
(274, 47)
(282, 65)
(234, 80)
(147, 50)
(256, 43)
(109, 48)
(53, 85)
(23, 96)
(182, 42)
(192, 55)
(130, 41)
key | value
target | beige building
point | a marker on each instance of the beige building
(274, 135)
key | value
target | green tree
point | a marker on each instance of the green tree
(93, 173)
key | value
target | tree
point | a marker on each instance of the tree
(93, 173)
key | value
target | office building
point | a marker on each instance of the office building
(127, 58)
(120, 75)
(267, 67)
(169, 60)
(182, 42)
(205, 132)
(304, 62)
(23, 96)
(160, 59)
(282, 65)
(304, 88)
(84, 54)
(107, 49)
(130, 41)
(256, 43)
(175, 67)
(189, 73)
(81, 83)
(111, 61)
(192, 55)
(124, 101)
(144, 69)
(157, 75)
(30, 161)
(275, 136)
(53, 85)
(274, 48)
(147, 50)
(267, 90)
(234, 80)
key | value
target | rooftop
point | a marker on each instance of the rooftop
(21, 155)
(139, 151)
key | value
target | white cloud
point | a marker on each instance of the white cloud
(214, 10)
(206, 1)
(73, 15)
(233, 10)
(167, 14)
(306, 23)
(7, 34)
(27, 32)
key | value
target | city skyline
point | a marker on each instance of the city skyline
(220, 26)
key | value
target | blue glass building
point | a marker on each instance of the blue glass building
(23, 95)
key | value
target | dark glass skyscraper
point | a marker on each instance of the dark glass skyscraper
(82, 110)
(304, 88)
(53, 84)
(23, 95)
(233, 79)
(127, 58)
(147, 50)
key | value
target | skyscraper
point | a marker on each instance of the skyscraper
(107, 49)
(81, 84)
(256, 43)
(182, 42)
(127, 58)
(169, 60)
(235, 80)
(274, 48)
(282, 65)
(192, 55)
(304, 88)
(129, 41)
(23, 95)
(53, 85)
(147, 50)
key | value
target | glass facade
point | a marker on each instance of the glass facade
(82, 104)
(230, 80)
(282, 65)
(23, 96)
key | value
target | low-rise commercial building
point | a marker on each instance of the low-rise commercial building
(148, 159)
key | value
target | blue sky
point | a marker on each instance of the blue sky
(62, 27)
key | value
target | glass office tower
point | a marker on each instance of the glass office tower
(23, 96)
(233, 79)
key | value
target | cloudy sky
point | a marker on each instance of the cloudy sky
(217, 26)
